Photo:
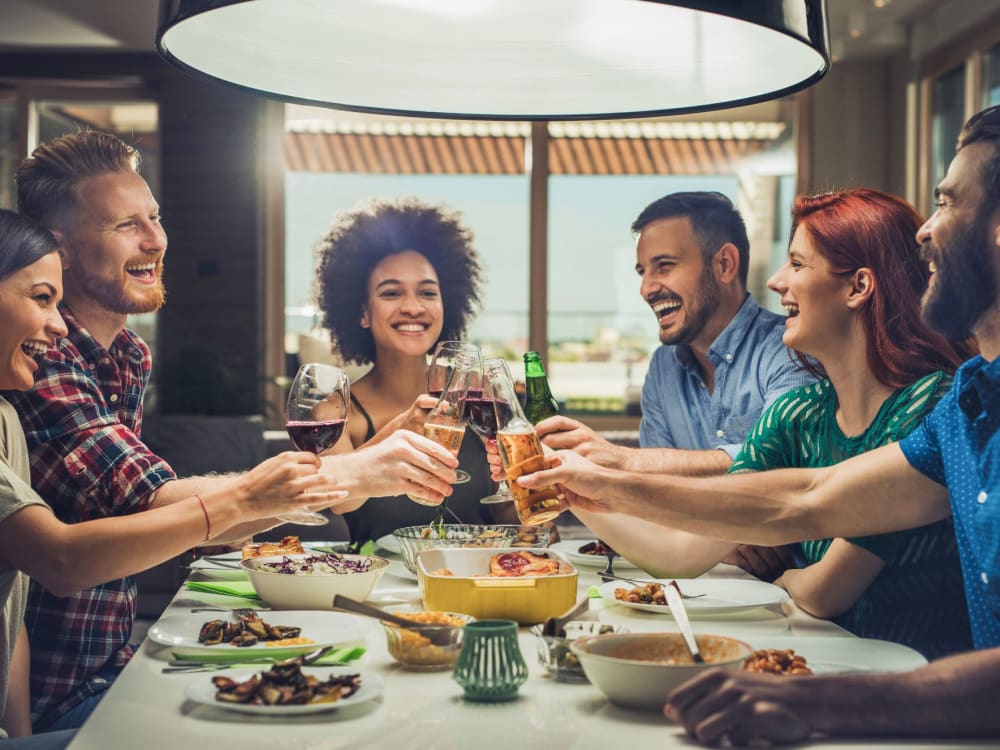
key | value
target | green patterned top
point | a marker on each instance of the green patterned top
(918, 598)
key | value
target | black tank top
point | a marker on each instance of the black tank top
(382, 515)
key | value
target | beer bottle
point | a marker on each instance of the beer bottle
(539, 402)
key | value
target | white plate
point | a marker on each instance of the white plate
(202, 690)
(570, 549)
(720, 595)
(830, 655)
(389, 543)
(180, 632)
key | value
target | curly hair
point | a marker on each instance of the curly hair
(359, 240)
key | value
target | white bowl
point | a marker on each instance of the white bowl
(638, 670)
(313, 590)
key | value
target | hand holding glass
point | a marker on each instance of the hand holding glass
(315, 417)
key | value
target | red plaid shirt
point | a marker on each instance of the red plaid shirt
(82, 420)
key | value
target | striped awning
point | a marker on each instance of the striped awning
(688, 148)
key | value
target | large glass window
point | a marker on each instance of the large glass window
(991, 76)
(9, 156)
(947, 118)
(600, 331)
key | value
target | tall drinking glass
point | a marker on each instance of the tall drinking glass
(445, 424)
(315, 417)
(447, 356)
(484, 413)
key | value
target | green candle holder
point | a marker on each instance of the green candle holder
(490, 667)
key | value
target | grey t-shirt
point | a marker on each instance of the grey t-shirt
(15, 493)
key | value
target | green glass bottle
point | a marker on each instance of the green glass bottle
(539, 402)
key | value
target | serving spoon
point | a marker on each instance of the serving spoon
(439, 635)
(556, 626)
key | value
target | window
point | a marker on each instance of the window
(991, 76)
(947, 118)
(600, 332)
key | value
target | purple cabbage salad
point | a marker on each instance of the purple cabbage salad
(318, 564)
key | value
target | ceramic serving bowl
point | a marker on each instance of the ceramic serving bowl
(310, 581)
(638, 670)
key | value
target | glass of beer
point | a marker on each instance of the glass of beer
(521, 453)
(445, 424)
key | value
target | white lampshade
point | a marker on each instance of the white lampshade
(503, 59)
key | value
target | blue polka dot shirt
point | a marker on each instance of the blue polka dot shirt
(958, 445)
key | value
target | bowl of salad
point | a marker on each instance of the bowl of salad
(310, 581)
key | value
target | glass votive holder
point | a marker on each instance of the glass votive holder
(490, 667)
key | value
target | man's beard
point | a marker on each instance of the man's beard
(702, 306)
(962, 287)
(114, 296)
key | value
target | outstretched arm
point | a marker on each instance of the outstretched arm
(952, 697)
(404, 463)
(563, 433)
(875, 492)
(660, 551)
(66, 558)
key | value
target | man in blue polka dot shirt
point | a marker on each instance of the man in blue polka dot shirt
(950, 464)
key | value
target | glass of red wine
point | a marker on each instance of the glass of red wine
(315, 417)
(484, 413)
(447, 357)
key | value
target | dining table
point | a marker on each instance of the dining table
(146, 708)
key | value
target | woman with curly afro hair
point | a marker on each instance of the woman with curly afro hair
(395, 278)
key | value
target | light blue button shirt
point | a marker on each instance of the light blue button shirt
(752, 368)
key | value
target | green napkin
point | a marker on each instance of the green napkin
(368, 548)
(341, 655)
(593, 592)
(242, 589)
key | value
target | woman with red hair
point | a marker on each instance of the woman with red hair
(852, 285)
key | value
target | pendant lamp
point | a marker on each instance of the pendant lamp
(503, 59)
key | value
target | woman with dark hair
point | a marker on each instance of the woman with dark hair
(66, 558)
(395, 278)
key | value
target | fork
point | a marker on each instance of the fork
(609, 572)
(184, 665)
(614, 577)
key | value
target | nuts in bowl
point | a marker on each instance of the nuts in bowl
(310, 581)
(416, 651)
(413, 539)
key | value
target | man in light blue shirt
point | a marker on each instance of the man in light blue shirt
(721, 363)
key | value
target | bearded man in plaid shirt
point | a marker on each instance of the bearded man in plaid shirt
(84, 416)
